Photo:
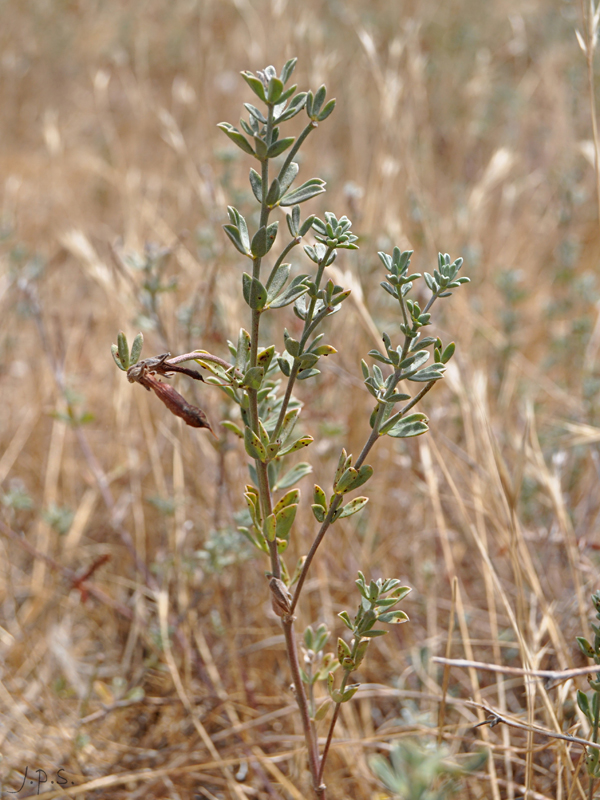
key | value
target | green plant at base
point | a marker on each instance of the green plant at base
(591, 706)
(261, 381)
(422, 771)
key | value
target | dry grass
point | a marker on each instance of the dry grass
(462, 124)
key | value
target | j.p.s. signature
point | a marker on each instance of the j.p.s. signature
(42, 777)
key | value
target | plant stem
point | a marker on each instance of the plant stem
(296, 146)
(292, 653)
(305, 334)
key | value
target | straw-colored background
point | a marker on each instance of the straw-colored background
(460, 126)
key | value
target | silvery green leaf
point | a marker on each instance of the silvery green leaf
(254, 446)
(296, 105)
(287, 70)
(304, 441)
(136, 349)
(242, 353)
(263, 239)
(236, 137)
(379, 357)
(300, 307)
(281, 101)
(123, 350)
(304, 374)
(373, 634)
(306, 225)
(115, 354)
(255, 84)
(291, 477)
(431, 373)
(285, 519)
(318, 100)
(343, 615)
(413, 362)
(254, 292)
(248, 129)
(284, 366)
(293, 292)
(327, 109)
(274, 193)
(291, 345)
(413, 425)
(234, 235)
(319, 512)
(308, 360)
(393, 617)
(344, 480)
(389, 289)
(308, 189)
(287, 178)
(279, 147)
(231, 426)
(278, 279)
(274, 90)
(256, 184)
(362, 476)
(260, 148)
(289, 422)
(353, 507)
(256, 113)
(253, 378)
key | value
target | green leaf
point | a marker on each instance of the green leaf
(373, 634)
(277, 280)
(393, 617)
(236, 137)
(293, 291)
(136, 349)
(253, 378)
(304, 374)
(353, 507)
(269, 528)
(319, 497)
(254, 446)
(349, 692)
(413, 362)
(290, 498)
(231, 426)
(274, 193)
(264, 358)
(255, 293)
(263, 239)
(234, 234)
(256, 184)
(584, 704)
(255, 113)
(287, 70)
(585, 647)
(285, 520)
(297, 445)
(327, 109)
(345, 479)
(274, 91)
(413, 425)
(255, 84)
(431, 373)
(319, 512)
(289, 423)
(322, 710)
(261, 148)
(242, 356)
(279, 147)
(115, 354)
(123, 350)
(362, 476)
(296, 473)
(287, 178)
(343, 615)
(309, 189)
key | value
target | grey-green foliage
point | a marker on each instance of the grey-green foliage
(417, 770)
(590, 704)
